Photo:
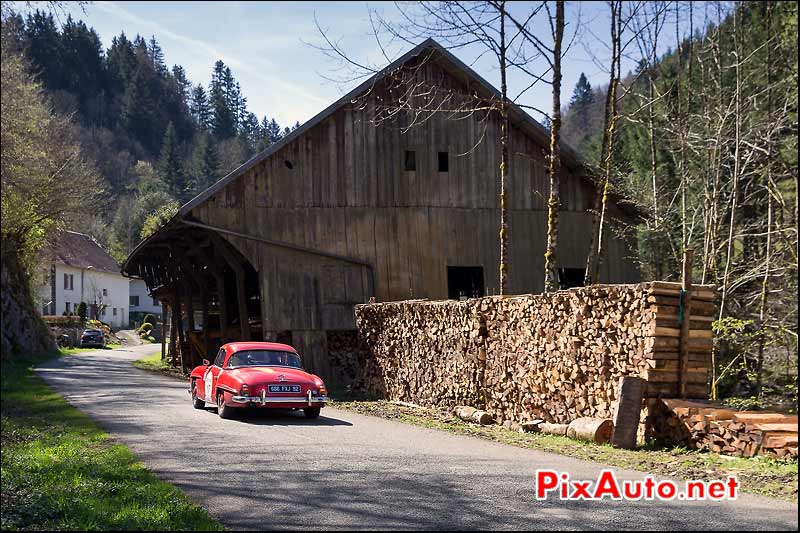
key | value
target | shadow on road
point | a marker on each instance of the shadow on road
(281, 417)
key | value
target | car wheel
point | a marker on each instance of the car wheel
(311, 412)
(197, 403)
(224, 411)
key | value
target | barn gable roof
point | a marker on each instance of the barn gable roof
(520, 117)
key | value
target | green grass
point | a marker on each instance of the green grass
(759, 475)
(61, 471)
(154, 363)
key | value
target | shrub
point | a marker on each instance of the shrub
(148, 319)
(82, 311)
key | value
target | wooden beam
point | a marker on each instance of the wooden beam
(686, 302)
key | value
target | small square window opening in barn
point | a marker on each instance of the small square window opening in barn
(465, 282)
(571, 277)
(444, 162)
(410, 162)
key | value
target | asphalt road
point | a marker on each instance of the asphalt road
(347, 471)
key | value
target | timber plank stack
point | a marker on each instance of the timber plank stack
(556, 357)
(710, 428)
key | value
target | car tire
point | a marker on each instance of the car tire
(197, 403)
(311, 412)
(224, 411)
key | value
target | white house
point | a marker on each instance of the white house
(75, 269)
(141, 303)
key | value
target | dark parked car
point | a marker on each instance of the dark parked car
(93, 337)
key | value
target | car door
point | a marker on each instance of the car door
(211, 375)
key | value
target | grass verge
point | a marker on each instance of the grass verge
(758, 475)
(61, 471)
(154, 363)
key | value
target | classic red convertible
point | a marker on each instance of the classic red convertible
(256, 374)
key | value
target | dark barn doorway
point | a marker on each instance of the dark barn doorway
(570, 277)
(465, 282)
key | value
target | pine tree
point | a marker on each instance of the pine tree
(582, 96)
(250, 131)
(169, 166)
(184, 85)
(121, 61)
(223, 123)
(44, 48)
(205, 164)
(578, 119)
(156, 56)
(274, 131)
(263, 135)
(201, 112)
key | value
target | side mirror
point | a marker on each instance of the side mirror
(206, 362)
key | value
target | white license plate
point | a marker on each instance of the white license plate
(284, 388)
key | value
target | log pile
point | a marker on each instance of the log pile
(556, 357)
(710, 428)
(346, 351)
(421, 352)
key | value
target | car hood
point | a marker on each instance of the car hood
(270, 374)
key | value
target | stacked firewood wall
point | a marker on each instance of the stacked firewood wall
(428, 353)
(556, 356)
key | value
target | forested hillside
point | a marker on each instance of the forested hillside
(156, 138)
(706, 145)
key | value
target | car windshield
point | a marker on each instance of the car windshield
(264, 358)
(91, 332)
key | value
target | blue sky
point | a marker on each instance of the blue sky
(285, 78)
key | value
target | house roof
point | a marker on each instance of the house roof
(81, 251)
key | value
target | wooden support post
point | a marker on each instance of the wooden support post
(223, 307)
(179, 326)
(628, 411)
(206, 337)
(190, 320)
(173, 334)
(244, 319)
(163, 330)
(685, 314)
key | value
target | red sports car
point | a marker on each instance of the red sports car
(256, 374)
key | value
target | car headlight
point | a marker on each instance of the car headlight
(244, 391)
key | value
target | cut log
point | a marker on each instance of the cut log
(530, 427)
(591, 429)
(482, 417)
(553, 429)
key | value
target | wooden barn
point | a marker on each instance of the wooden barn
(348, 207)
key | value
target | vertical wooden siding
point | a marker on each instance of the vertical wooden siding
(347, 193)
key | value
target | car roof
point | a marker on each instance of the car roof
(237, 346)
